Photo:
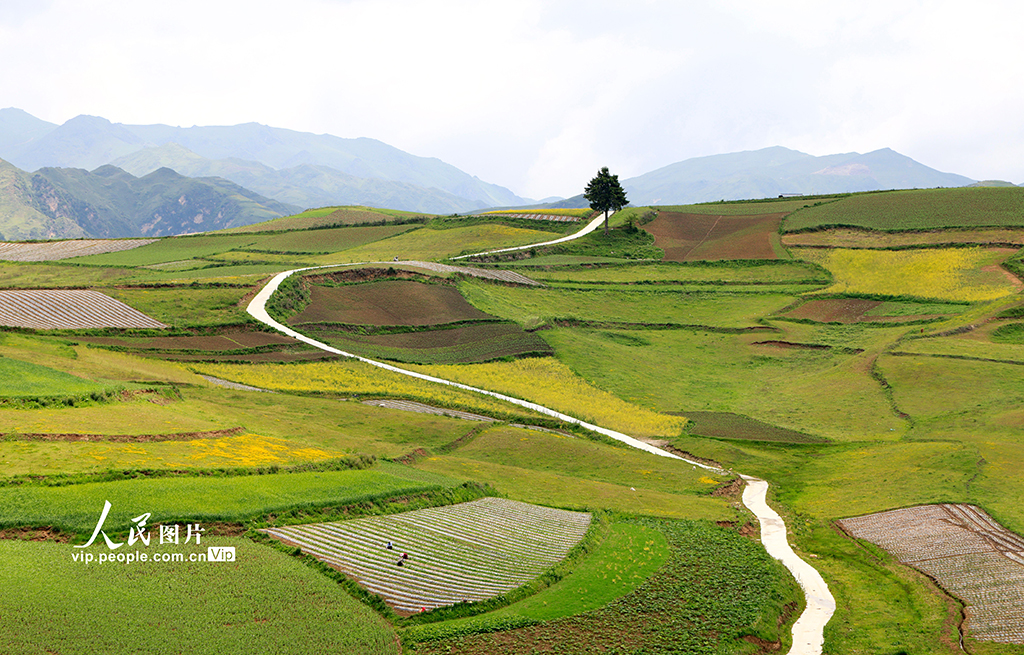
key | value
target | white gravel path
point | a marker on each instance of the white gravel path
(808, 631)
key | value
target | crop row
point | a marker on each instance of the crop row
(68, 310)
(916, 210)
(544, 214)
(479, 342)
(470, 551)
(967, 552)
(48, 251)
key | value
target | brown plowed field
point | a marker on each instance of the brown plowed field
(391, 302)
(465, 344)
(68, 310)
(695, 237)
(848, 310)
(274, 356)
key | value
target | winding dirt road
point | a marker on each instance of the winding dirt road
(808, 631)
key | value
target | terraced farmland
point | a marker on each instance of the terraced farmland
(48, 251)
(858, 310)
(692, 237)
(227, 346)
(389, 302)
(68, 310)
(964, 550)
(466, 552)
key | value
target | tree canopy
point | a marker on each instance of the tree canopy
(605, 194)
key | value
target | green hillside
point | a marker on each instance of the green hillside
(854, 372)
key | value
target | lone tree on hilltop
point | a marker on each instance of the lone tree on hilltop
(605, 193)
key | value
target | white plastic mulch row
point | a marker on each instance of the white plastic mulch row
(420, 408)
(48, 251)
(68, 310)
(560, 218)
(501, 276)
(966, 552)
(469, 551)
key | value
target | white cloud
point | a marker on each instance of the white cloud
(536, 95)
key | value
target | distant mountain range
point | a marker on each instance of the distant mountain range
(299, 168)
(108, 202)
(771, 172)
(158, 180)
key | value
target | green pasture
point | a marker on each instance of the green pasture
(76, 508)
(570, 492)
(580, 458)
(715, 588)
(24, 380)
(901, 415)
(979, 344)
(526, 305)
(918, 209)
(52, 603)
(329, 216)
(625, 559)
(709, 371)
(186, 306)
(744, 208)
(44, 275)
(985, 414)
(430, 244)
(171, 249)
(771, 272)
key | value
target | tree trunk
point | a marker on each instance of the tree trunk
(606, 222)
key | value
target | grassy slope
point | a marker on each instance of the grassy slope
(178, 607)
(897, 441)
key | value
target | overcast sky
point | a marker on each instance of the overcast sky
(536, 96)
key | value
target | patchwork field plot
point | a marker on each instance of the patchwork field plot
(537, 217)
(478, 342)
(330, 216)
(726, 425)
(859, 310)
(466, 552)
(770, 273)
(544, 214)
(916, 209)
(863, 238)
(48, 251)
(693, 237)
(389, 302)
(231, 340)
(231, 345)
(965, 551)
(959, 274)
(68, 310)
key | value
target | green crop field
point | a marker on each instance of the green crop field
(916, 210)
(179, 606)
(872, 363)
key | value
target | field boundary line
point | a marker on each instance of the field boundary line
(808, 630)
(593, 225)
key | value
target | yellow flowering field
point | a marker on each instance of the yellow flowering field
(967, 274)
(549, 382)
(244, 450)
(353, 377)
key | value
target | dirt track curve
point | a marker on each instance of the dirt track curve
(808, 631)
